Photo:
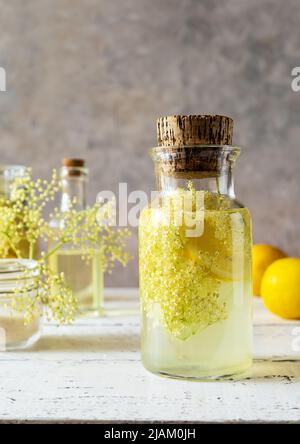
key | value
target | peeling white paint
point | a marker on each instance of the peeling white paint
(91, 371)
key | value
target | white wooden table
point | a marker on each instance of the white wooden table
(91, 372)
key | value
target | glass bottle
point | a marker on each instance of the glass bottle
(14, 332)
(195, 255)
(84, 276)
(8, 174)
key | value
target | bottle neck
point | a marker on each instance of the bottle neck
(8, 175)
(219, 184)
(74, 189)
(201, 168)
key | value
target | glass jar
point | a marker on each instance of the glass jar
(14, 332)
(195, 257)
(8, 174)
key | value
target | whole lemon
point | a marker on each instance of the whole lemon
(280, 288)
(262, 256)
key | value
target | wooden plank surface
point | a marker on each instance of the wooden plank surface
(91, 371)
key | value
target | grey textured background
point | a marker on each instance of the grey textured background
(88, 78)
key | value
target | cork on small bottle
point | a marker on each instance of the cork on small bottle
(179, 138)
(72, 162)
(74, 166)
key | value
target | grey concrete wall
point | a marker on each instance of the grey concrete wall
(88, 78)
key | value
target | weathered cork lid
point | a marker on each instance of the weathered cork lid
(184, 145)
(194, 130)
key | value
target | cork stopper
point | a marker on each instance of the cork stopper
(194, 130)
(73, 167)
(71, 162)
(184, 145)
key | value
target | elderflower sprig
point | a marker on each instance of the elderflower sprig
(41, 288)
(21, 217)
(90, 229)
(23, 225)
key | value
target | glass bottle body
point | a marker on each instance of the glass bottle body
(83, 274)
(82, 267)
(195, 275)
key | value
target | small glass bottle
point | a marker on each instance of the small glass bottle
(195, 255)
(83, 275)
(14, 332)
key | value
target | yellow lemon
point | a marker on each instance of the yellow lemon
(280, 288)
(263, 256)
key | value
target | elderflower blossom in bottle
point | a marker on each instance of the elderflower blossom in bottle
(82, 268)
(8, 175)
(195, 255)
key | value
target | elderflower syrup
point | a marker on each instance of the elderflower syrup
(83, 275)
(195, 255)
(82, 268)
(18, 287)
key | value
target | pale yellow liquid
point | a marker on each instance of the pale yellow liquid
(196, 294)
(84, 277)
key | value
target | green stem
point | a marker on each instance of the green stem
(31, 249)
(15, 250)
(54, 249)
(218, 184)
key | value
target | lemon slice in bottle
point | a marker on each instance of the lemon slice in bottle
(220, 250)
